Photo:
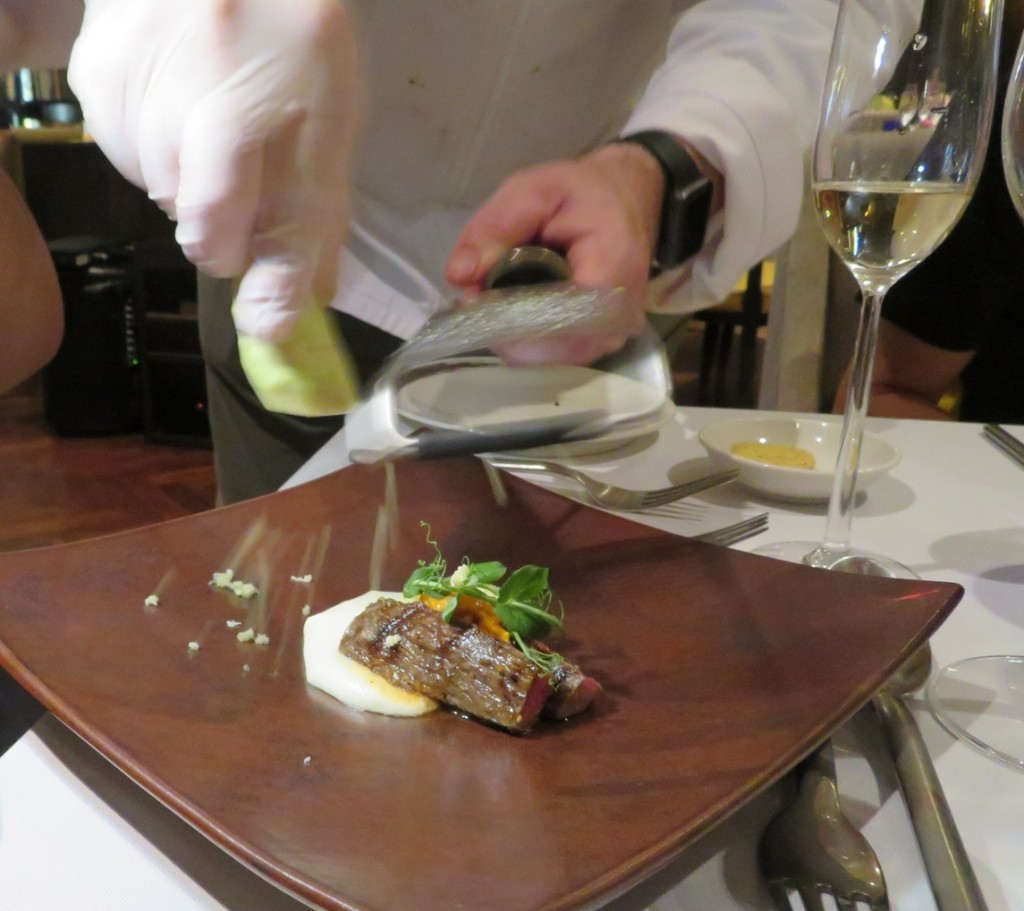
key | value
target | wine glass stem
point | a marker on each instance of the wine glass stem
(844, 487)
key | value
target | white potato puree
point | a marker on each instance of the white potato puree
(346, 680)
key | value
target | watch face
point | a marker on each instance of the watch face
(687, 203)
(684, 222)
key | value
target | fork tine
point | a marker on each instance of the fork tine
(780, 896)
(611, 496)
(741, 534)
(813, 899)
(738, 531)
(657, 498)
(654, 498)
(810, 849)
(677, 510)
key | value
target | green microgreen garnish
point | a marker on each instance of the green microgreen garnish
(546, 661)
(522, 602)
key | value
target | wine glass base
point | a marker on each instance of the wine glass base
(857, 562)
(981, 701)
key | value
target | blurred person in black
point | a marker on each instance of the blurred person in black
(952, 330)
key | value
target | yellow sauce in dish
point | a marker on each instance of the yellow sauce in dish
(774, 454)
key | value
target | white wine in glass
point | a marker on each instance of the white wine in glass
(889, 227)
(904, 125)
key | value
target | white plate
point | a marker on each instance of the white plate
(818, 437)
(481, 392)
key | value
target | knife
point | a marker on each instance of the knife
(946, 862)
(954, 883)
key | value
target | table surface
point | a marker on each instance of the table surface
(951, 510)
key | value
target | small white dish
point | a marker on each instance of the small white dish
(818, 437)
(474, 393)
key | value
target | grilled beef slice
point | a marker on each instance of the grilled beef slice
(412, 647)
(572, 692)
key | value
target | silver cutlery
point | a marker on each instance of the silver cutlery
(952, 877)
(736, 532)
(1006, 441)
(610, 496)
(812, 849)
(681, 510)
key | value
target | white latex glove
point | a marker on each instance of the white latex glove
(237, 117)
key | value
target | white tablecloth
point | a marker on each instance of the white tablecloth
(75, 833)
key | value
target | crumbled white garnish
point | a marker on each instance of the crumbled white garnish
(307, 610)
(392, 640)
(222, 580)
(306, 578)
(152, 601)
(245, 668)
(307, 760)
(249, 635)
(232, 624)
(226, 580)
(193, 646)
(461, 575)
(244, 589)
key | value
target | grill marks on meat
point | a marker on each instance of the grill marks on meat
(411, 646)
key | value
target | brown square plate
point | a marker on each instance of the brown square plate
(721, 669)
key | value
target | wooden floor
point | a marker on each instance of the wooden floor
(55, 489)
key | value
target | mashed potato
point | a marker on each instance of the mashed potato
(346, 680)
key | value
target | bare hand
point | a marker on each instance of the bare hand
(601, 211)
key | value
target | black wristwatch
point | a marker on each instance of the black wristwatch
(687, 204)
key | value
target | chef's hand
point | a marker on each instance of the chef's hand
(237, 117)
(601, 210)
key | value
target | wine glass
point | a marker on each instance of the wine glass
(900, 145)
(981, 700)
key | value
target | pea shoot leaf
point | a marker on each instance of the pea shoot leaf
(528, 583)
(486, 572)
(522, 602)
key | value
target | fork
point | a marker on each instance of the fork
(609, 496)
(811, 848)
(738, 531)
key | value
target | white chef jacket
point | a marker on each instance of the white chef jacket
(460, 93)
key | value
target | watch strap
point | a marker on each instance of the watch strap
(686, 205)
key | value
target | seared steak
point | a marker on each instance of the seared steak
(572, 691)
(411, 646)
